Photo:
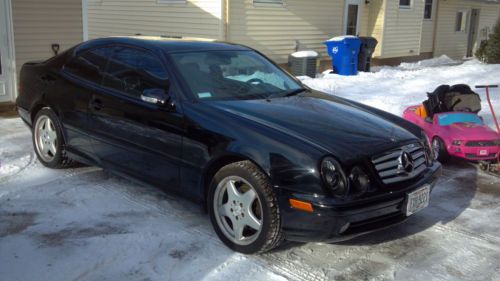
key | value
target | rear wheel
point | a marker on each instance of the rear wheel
(439, 149)
(48, 140)
(244, 209)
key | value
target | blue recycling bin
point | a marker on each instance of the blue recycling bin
(344, 51)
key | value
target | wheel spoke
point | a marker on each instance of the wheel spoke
(224, 210)
(252, 221)
(52, 147)
(52, 135)
(232, 191)
(46, 125)
(248, 197)
(238, 230)
(45, 148)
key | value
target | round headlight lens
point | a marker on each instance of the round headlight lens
(333, 177)
(360, 182)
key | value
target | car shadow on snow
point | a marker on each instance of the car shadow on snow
(451, 196)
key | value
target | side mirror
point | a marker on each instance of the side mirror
(155, 96)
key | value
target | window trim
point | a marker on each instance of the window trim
(430, 18)
(406, 7)
(76, 54)
(464, 21)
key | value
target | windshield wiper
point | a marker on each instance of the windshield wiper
(287, 94)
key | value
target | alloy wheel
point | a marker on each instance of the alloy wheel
(238, 210)
(45, 138)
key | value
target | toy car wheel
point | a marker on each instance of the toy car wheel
(439, 149)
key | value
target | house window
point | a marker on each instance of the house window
(404, 4)
(428, 10)
(461, 21)
(280, 2)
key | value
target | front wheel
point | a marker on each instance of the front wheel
(439, 149)
(244, 209)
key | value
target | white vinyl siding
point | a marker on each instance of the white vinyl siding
(402, 29)
(453, 43)
(194, 18)
(274, 29)
(428, 26)
(375, 23)
(39, 24)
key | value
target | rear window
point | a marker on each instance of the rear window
(89, 65)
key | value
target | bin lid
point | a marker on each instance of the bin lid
(341, 38)
(305, 54)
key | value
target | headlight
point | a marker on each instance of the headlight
(333, 177)
(359, 181)
(456, 142)
(496, 142)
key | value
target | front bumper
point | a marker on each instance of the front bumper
(475, 153)
(333, 222)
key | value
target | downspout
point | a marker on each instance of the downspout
(434, 35)
(224, 22)
(85, 21)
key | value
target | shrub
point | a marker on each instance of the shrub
(492, 48)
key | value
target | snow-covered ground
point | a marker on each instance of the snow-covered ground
(85, 224)
(395, 88)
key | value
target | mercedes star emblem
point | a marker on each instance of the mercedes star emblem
(406, 162)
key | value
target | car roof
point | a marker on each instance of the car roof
(163, 44)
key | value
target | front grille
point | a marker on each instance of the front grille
(475, 156)
(390, 167)
(480, 143)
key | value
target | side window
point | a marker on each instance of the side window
(132, 71)
(89, 65)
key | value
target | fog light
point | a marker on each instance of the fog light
(360, 182)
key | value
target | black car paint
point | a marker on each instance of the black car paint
(179, 146)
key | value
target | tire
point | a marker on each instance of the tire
(48, 140)
(227, 215)
(440, 151)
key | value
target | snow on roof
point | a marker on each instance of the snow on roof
(305, 54)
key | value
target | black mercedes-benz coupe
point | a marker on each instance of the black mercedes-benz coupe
(223, 125)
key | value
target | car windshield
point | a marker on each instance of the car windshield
(232, 75)
(452, 118)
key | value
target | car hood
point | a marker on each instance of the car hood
(329, 123)
(472, 131)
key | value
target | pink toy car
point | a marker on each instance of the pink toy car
(460, 134)
(449, 118)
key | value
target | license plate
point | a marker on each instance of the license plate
(417, 200)
(483, 152)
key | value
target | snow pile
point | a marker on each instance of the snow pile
(305, 54)
(393, 89)
(439, 61)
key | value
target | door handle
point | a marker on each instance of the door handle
(96, 104)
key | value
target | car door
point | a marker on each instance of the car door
(80, 76)
(130, 135)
